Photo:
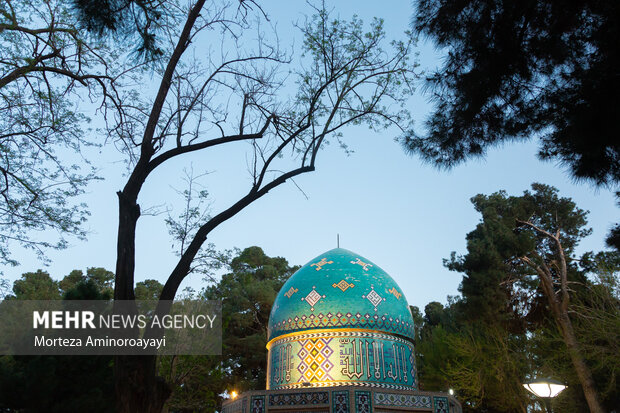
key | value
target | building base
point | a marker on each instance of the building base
(342, 399)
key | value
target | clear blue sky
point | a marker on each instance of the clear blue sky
(387, 206)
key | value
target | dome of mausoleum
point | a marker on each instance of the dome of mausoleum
(340, 320)
(340, 289)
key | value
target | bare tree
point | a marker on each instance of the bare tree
(214, 93)
(552, 270)
(46, 66)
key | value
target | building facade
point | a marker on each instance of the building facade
(340, 339)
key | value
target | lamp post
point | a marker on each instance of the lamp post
(546, 389)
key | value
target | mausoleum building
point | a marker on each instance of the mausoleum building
(340, 339)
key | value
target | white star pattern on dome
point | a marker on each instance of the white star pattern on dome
(374, 298)
(312, 298)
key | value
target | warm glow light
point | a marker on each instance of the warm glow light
(451, 392)
(545, 387)
(233, 395)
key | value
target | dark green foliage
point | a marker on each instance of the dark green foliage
(59, 383)
(56, 384)
(515, 70)
(478, 360)
(248, 293)
(613, 238)
(418, 320)
(500, 333)
(148, 290)
(197, 382)
(36, 286)
(87, 290)
(134, 21)
(496, 282)
(98, 282)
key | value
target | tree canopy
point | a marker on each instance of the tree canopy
(519, 70)
(47, 66)
(530, 306)
(222, 81)
(132, 22)
(60, 383)
(247, 292)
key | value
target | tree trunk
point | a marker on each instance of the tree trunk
(559, 303)
(583, 371)
(137, 387)
(128, 214)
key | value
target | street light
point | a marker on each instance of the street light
(546, 389)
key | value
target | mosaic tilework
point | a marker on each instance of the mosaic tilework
(341, 358)
(374, 298)
(312, 298)
(340, 402)
(396, 293)
(343, 285)
(361, 263)
(281, 364)
(322, 293)
(404, 400)
(313, 362)
(441, 404)
(363, 402)
(338, 319)
(257, 405)
(321, 263)
(298, 399)
(290, 292)
(236, 406)
(387, 386)
(306, 411)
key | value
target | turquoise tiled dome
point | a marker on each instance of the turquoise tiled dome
(340, 290)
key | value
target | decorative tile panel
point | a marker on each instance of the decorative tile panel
(341, 358)
(321, 263)
(314, 359)
(441, 404)
(363, 264)
(403, 400)
(359, 320)
(312, 298)
(363, 402)
(340, 401)
(395, 292)
(343, 282)
(343, 285)
(257, 404)
(298, 399)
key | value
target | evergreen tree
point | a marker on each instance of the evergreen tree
(36, 286)
(506, 327)
(518, 70)
(60, 383)
(248, 292)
